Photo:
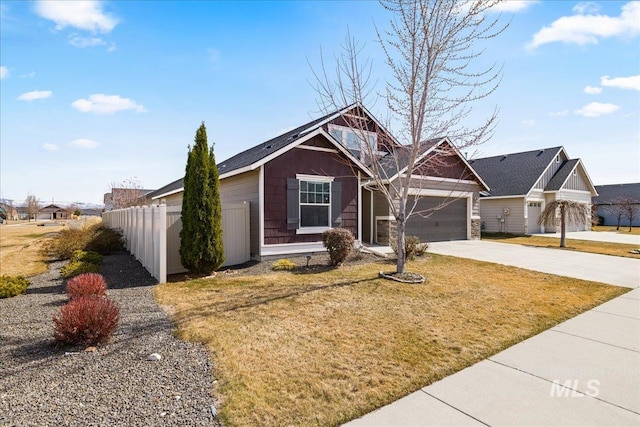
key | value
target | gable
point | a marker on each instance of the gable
(517, 173)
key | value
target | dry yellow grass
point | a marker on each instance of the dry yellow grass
(321, 349)
(623, 229)
(20, 246)
(604, 248)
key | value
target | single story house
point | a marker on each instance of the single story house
(316, 177)
(522, 184)
(52, 212)
(607, 203)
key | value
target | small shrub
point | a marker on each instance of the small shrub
(412, 247)
(78, 267)
(87, 256)
(86, 321)
(86, 284)
(339, 242)
(11, 286)
(104, 240)
(284, 264)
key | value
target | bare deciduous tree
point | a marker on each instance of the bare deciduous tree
(571, 212)
(436, 77)
(33, 206)
(126, 193)
(623, 207)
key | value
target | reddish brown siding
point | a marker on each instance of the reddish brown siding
(301, 161)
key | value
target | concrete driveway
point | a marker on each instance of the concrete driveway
(585, 371)
(580, 265)
(598, 236)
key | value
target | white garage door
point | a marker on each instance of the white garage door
(534, 209)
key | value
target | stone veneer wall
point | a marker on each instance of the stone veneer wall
(476, 225)
(385, 230)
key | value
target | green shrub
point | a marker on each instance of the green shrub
(11, 286)
(412, 247)
(284, 264)
(78, 267)
(87, 320)
(87, 256)
(339, 242)
(104, 240)
(94, 238)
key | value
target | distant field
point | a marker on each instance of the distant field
(20, 245)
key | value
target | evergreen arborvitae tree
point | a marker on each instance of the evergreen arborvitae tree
(201, 249)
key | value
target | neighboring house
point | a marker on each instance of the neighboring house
(52, 212)
(8, 211)
(607, 197)
(312, 178)
(124, 197)
(521, 185)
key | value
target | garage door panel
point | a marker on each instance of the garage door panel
(444, 223)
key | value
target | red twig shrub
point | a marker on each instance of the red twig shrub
(86, 320)
(86, 284)
(339, 242)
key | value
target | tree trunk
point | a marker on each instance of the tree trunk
(618, 227)
(402, 256)
(563, 228)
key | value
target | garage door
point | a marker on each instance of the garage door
(448, 223)
(534, 209)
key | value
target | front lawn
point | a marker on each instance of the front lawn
(603, 248)
(623, 229)
(324, 348)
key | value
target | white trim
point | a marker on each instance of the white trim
(261, 210)
(425, 192)
(168, 193)
(449, 180)
(312, 230)
(314, 178)
(562, 190)
(236, 172)
(517, 196)
(291, 248)
(371, 236)
(359, 217)
(384, 218)
(553, 161)
(312, 148)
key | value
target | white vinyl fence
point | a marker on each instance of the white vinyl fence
(152, 235)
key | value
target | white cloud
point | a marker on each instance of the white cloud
(4, 72)
(513, 5)
(588, 29)
(528, 122)
(586, 7)
(35, 95)
(82, 14)
(631, 82)
(83, 143)
(596, 109)
(592, 90)
(559, 113)
(50, 147)
(106, 104)
(81, 42)
(28, 75)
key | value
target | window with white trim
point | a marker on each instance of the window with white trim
(354, 139)
(315, 204)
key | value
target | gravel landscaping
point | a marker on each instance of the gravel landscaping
(42, 384)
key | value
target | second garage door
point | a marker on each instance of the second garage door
(447, 223)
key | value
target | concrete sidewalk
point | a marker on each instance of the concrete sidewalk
(598, 236)
(585, 371)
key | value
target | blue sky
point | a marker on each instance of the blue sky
(98, 92)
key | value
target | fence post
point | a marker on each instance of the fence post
(162, 243)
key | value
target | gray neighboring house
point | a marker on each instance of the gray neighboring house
(522, 184)
(607, 196)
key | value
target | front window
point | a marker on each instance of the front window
(354, 139)
(315, 203)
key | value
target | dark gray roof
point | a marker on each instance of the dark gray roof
(175, 185)
(260, 151)
(561, 175)
(514, 174)
(608, 193)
